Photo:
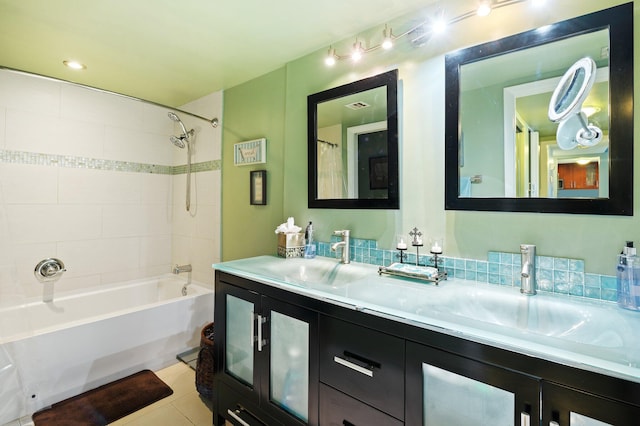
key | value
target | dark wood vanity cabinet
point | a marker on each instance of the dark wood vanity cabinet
(367, 368)
(267, 357)
(283, 358)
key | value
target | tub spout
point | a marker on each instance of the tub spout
(184, 268)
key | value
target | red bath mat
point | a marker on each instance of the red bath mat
(107, 403)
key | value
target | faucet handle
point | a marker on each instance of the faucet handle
(342, 233)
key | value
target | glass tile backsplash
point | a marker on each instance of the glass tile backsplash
(553, 274)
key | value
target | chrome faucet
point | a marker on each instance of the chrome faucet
(528, 274)
(180, 269)
(344, 244)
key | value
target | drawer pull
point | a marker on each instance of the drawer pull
(235, 415)
(353, 366)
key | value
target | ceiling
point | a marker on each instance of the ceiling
(172, 52)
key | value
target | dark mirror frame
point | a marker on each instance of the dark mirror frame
(619, 21)
(390, 81)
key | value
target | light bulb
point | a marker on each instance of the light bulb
(484, 9)
(387, 42)
(330, 59)
(439, 26)
(74, 65)
(356, 55)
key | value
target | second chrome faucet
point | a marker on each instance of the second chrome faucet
(528, 273)
(343, 244)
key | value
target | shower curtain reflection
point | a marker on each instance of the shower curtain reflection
(331, 180)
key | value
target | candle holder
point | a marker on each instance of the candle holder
(401, 246)
(401, 255)
(417, 243)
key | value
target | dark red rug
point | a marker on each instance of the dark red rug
(107, 403)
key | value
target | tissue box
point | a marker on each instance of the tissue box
(291, 245)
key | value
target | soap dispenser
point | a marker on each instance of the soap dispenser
(628, 274)
(309, 246)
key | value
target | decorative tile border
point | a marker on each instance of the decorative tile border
(72, 162)
(556, 275)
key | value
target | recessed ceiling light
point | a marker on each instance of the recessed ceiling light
(74, 65)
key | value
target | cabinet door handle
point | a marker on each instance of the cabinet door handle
(259, 333)
(525, 419)
(253, 328)
(236, 417)
(353, 366)
(261, 342)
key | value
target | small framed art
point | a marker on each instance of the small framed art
(258, 187)
(250, 152)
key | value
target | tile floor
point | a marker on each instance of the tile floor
(183, 408)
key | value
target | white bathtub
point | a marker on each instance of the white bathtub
(51, 351)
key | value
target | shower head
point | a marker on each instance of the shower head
(173, 116)
(179, 141)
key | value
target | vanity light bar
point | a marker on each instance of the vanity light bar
(418, 31)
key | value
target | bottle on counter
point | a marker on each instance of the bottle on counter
(309, 245)
(628, 274)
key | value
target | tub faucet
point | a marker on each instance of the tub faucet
(528, 274)
(184, 268)
(344, 244)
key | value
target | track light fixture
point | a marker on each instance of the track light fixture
(423, 30)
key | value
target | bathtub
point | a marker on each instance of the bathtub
(52, 351)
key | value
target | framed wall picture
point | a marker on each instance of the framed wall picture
(258, 187)
(250, 152)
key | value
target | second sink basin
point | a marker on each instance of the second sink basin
(505, 310)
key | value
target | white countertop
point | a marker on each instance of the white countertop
(592, 335)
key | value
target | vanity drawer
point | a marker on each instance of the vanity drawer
(363, 363)
(240, 413)
(338, 409)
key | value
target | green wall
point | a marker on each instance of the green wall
(251, 111)
(274, 106)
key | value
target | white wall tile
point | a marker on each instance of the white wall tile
(27, 93)
(88, 186)
(43, 223)
(28, 184)
(137, 146)
(42, 133)
(155, 189)
(3, 113)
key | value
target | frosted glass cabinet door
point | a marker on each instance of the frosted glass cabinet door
(452, 399)
(448, 389)
(290, 364)
(240, 338)
(562, 406)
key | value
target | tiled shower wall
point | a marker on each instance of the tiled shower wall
(92, 179)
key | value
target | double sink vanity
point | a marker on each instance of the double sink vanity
(317, 342)
(314, 341)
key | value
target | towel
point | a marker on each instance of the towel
(465, 186)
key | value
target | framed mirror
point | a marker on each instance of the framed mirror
(501, 149)
(353, 145)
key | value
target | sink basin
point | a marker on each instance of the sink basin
(319, 273)
(504, 310)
